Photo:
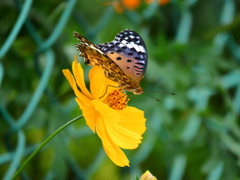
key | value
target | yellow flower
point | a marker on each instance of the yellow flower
(147, 176)
(106, 111)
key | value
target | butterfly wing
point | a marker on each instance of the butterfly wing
(124, 59)
(129, 52)
(94, 56)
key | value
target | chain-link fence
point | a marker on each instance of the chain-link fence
(194, 51)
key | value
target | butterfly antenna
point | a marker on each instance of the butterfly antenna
(151, 96)
(161, 92)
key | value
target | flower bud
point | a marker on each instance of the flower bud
(147, 176)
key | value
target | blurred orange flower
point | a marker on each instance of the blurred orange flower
(120, 5)
(106, 111)
(131, 4)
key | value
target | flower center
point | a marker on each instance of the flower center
(117, 100)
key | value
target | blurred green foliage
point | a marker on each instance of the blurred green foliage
(194, 51)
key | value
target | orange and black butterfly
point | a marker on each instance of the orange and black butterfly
(124, 59)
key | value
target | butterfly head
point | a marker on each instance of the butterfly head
(138, 91)
(135, 89)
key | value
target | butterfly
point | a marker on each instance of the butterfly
(124, 59)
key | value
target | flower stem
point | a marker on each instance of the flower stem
(43, 144)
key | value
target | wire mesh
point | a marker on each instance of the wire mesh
(193, 49)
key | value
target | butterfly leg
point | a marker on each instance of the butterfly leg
(107, 90)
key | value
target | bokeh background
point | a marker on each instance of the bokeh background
(193, 48)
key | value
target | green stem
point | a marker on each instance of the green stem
(43, 144)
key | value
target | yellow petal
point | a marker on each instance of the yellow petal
(83, 101)
(121, 136)
(89, 114)
(111, 149)
(69, 77)
(133, 120)
(71, 80)
(79, 76)
(105, 111)
(115, 154)
(99, 83)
